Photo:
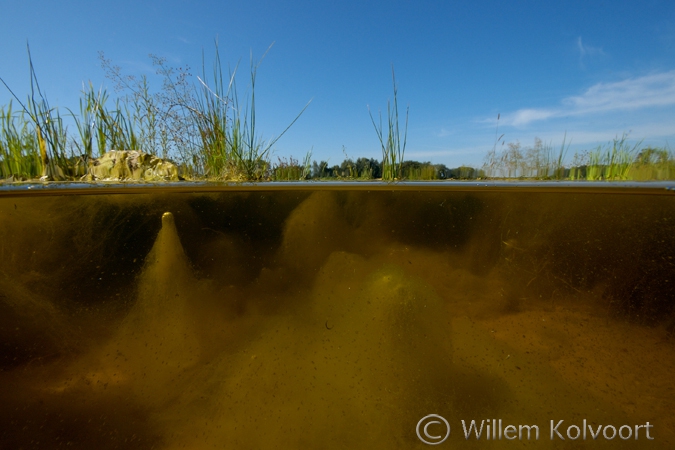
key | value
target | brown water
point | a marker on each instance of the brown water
(321, 318)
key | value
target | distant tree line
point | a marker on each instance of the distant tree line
(369, 168)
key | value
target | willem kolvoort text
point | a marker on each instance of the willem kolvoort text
(493, 429)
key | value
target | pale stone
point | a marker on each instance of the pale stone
(120, 165)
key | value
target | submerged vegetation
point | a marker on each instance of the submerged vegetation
(211, 134)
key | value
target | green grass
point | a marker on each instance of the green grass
(619, 161)
(204, 125)
(541, 161)
(392, 149)
(609, 163)
(209, 128)
(19, 148)
(231, 145)
(426, 172)
(616, 161)
(47, 127)
(653, 164)
(291, 169)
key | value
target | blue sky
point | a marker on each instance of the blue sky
(590, 69)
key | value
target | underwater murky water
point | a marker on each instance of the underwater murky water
(320, 318)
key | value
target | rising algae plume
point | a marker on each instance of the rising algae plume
(334, 319)
(157, 341)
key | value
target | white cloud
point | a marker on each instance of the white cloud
(633, 93)
(444, 132)
(135, 66)
(585, 50)
(525, 116)
(648, 91)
